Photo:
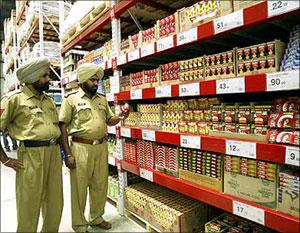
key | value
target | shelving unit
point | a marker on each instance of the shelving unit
(249, 26)
(272, 218)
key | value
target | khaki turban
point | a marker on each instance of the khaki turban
(34, 70)
(88, 70)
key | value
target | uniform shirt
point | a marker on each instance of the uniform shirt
(28, 117)
(85, 117)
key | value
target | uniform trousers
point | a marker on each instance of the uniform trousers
(90, 174)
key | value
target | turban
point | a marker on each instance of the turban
(34, 70)
(88, 70)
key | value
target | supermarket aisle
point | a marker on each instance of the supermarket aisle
(8, 207)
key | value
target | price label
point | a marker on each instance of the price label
(249, 212)
(134, 55)
(165, 43)
(111, 129)
(121, 59)
(189, 89)
(233, 85)
(148, 135)
(165, 91)
(125, 132)
(110, 97)
(281, 7)
(227, 22)
(292, 155)
(190, 141)
(136, 94)
(147, 50)
(282, 81)
(187, 36)
(148, 175)
(111, 161)
(240, 148)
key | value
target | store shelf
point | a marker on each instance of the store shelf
(260, 150)
(272, 218)
(99, 23)
(258, 14)
(247, 84)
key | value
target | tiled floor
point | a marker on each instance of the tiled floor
(8, 207)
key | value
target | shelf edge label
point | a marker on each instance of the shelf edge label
(249, 212)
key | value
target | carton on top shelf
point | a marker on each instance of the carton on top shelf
(201, 12)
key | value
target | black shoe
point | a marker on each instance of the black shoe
(15, 147)
(7, 150)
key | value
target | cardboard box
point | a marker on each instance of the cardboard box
(253, 137)
(183, 216)
(288, 203)
(201, 12)
(262, 60)
(288, 191)
(161, 29)
(206, 181)
(252, 189)
(241, 4)
(135, 41)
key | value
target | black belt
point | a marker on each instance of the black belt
(33, 143)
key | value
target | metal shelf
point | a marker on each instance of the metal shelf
(258, 83)
(272, 218)
(262, 150)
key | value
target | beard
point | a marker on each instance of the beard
(90, 90)
(41, 86)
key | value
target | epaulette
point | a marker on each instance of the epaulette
(12, 93)
(70, 93)
(48, 95)
(101, 94)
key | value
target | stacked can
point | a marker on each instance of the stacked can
(266, 171)
(196, 161)
(248, 167)
(212, 164)
(184, 158)
(232, 164)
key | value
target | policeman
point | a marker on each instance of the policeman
(31, 117)
(84, 116)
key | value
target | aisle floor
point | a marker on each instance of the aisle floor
(8, 207)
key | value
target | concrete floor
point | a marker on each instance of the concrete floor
(8, 207)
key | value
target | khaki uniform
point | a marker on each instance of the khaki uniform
(39, 184)
(87, 118)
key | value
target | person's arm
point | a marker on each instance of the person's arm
(112, 119)
(9, 162)
(65, 116)
(6, 115)
(69, 159)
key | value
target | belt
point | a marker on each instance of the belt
(87, 141)
(33, 143)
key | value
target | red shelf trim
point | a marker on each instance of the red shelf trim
(273, 219)
(264, 151)
(253, 83)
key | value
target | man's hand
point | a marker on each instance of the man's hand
(70, 162)
(124, 115)
(14, 164)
